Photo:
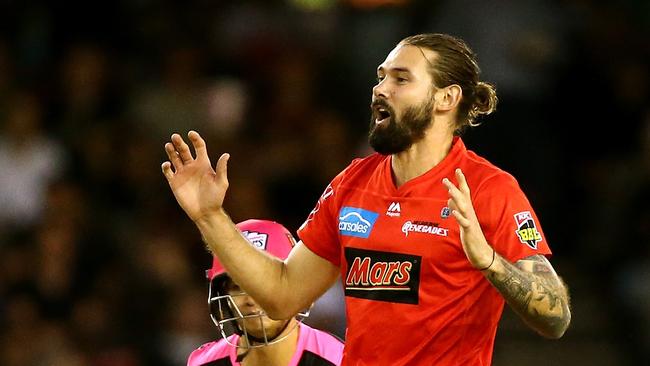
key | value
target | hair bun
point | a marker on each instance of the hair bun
(486, 98)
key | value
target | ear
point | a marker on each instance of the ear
(448, 97)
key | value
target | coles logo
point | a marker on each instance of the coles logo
(357, 222)
(423, 227)
(382, 276)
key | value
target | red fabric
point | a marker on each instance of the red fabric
(412, 296)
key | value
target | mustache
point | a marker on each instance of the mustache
(379, 102)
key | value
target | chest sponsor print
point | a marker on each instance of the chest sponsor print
(424, 227)
(527, 230)
(382, 276)
(356, 222)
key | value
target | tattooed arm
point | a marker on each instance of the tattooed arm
(531, 286)
(534, 291)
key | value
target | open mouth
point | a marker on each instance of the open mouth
(382, 114)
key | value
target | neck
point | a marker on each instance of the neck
(421, 156)
(276, 354)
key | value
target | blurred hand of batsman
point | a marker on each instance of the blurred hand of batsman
(476, 248)
(198, 188)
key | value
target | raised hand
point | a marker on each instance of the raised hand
(198, 188)
(478, 251)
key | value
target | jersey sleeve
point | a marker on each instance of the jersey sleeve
(320, 231)
(508, 220)
(198, 356)
(327, 349)
(214, 353)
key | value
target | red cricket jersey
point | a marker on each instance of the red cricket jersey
(412, 297)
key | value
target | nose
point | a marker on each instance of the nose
(248, 301)
(379, 90)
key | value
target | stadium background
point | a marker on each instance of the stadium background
(98, 265)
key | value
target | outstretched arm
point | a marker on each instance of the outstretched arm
(281, 287)
(531, 286)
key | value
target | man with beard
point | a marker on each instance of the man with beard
(249, 336)
(426, 262)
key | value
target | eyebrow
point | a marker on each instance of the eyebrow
(394, 69)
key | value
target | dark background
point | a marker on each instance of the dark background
(98, 264)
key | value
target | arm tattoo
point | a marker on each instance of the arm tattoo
(535, 292)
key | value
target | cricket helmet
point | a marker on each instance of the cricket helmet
(264, 235)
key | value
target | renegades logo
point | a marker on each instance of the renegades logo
(382, 276)
(526, 229)
(423, 227)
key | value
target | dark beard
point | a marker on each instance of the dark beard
(400, 133)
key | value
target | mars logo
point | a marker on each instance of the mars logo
(356, 222)
(526, 229)
(257, 239)
(382, 276)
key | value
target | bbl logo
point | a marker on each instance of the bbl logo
(526, 229)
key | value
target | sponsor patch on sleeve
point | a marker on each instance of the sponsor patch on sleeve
(527, 230)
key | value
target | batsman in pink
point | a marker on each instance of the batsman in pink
(249, 337)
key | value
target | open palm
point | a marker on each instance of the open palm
(476, 248)
(198, 188)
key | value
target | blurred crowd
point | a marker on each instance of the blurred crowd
(98, 264)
